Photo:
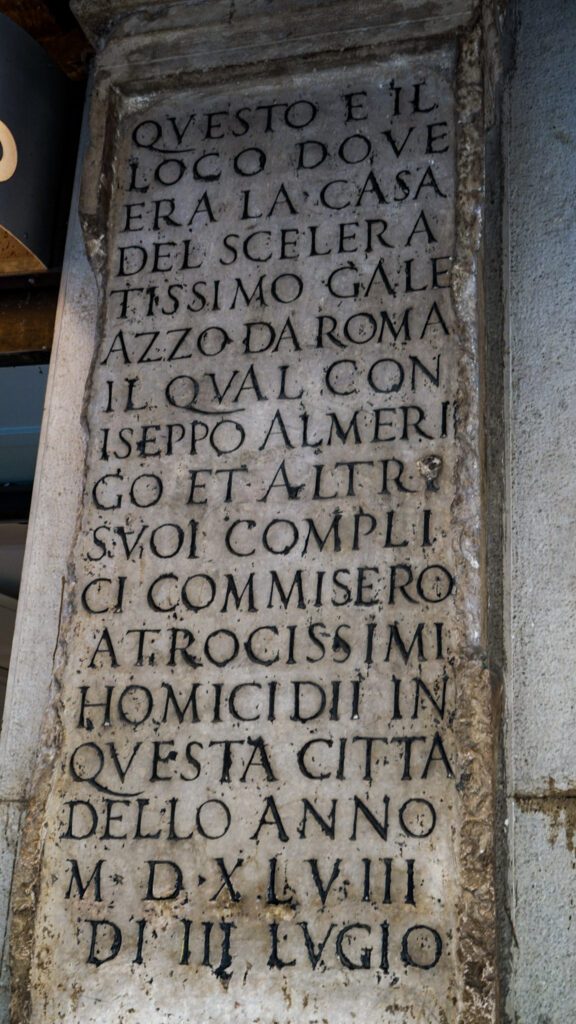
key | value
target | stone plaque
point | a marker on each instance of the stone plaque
(256, 806)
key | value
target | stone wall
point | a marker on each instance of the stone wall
(291, 726)
(540, 250)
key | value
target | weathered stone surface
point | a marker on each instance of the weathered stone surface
(51, 530)
(226, 19)
(271, 794)
(543, 914)
(541, 606)
(542, 544)
(10, 820)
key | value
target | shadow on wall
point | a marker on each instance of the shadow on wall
(7, 618)
(22, 391)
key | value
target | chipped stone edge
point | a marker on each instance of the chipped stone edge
(474, 727)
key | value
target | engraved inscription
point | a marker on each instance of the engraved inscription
(255, 813)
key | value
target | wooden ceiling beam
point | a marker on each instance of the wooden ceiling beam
(27, 315)
(53, 26)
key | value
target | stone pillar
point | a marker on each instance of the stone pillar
(539, 265)
(56, 500)
(265, 781)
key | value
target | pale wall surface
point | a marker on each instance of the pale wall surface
(540, 148)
